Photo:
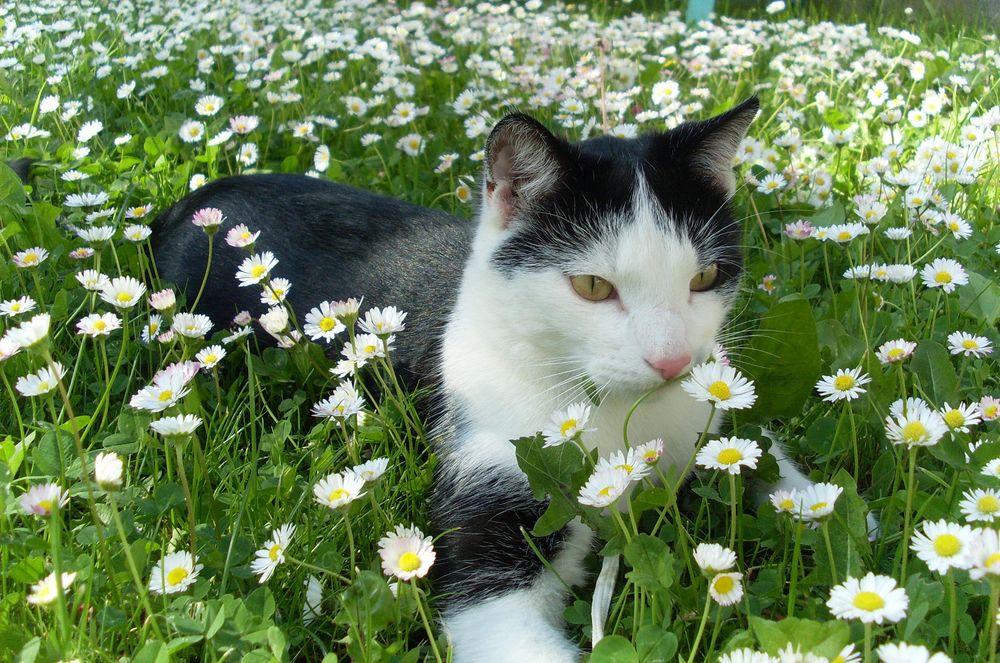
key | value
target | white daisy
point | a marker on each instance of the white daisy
(565, 425)
(123, 292)
(817, 501)
(893, 351)
(872, 599)
(943, 545)
(371, 470)
(726, 588)
(944, 273)
(272, 554)
(960, 417)
(604, 487)
(963, 343)
(650, 452)
(322, 323)
(904, 653)
(97, 324)
(980, 504)
(312, 607)
(985, 554)
(337, 490)
(240, 236)
(13, 307)
(174, 573)
(41, 382)
(28, 258)
(730, 454)
(176, 426)
(382, 322)
(406, 553)
(845, 384)
(30, 333)
(210, 356)
(917, 425)
(45, 591)
(191, 325)
(42, 499)
(713, 558)
(108, 470)
(256, 268)
(721, 384)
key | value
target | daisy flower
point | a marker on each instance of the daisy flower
(729, 454)
(176, 426)
(943, 545)
(192, 131)
(208, 105)
(208, 218)
(152, 328)
(726, 588)
(108, 471)
(210, 356)
(42, 499)
(960, 417)
(240, 236)
(722, 385)
(45, 591)
(371, 470)
(894, 351)
(944, 273)
(745, 655)
(872, 599)
(322, 323)
(629, 462)
(799, 230)
(650, 452)
(272, 554)
(382, 322)
(904, 653)
(337, 490)
(565, 425)
(174, 573)
(785, 501)
(41, 382)
(989, 408)
(918, 425)
(275, 291)
(406, 553)
(712, 558)
(256, 268)
(604, 487)
(164, 392)
(985, 554)
(817, 501)
(346, 310)
(123, 292)
(980, 505)
(30, 333)
(845, 384)
(343, 403)
(97, 324)
(411, 144)
(191, 325)
(92, 280)
(13, 307)
(136, 233)
(962, 343)
(32, 257)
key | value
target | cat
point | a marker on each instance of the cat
(610, 262)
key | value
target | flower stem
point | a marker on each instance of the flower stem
(794, 580)
(55, 540)
(868, 642)
(204, 278)
(350, 542)
(426, 621)
(140, 587)
(701, 627)
(829, 552)
(991, 618)
(910, 488)
(732, 511)
(182, 473)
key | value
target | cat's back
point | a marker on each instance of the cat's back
(332, 242)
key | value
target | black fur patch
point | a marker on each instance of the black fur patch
(482, 552)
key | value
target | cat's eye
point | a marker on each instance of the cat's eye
(705, 279)
(592, 287)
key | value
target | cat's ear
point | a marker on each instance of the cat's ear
(524, 162)
(711, 144)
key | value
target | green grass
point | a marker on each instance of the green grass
(252, 465)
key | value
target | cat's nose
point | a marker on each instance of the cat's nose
(671, 367)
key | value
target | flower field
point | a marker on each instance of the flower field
(171, 491)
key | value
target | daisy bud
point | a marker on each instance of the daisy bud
(208, 219)
(164, 300)
(108, 471)
(275, 321)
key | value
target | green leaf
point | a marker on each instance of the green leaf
(821, 638)
(29, 652)
(980, 299)
(651, 562)
(848, 529)
(651, 498)
(614, 649)
(559, 512)
(932, 365)
(783, 361)
(12, 196)
(924, 595)
(153, 651)
(367, 601)
(183, 642)
(654, 645)
(549, 469)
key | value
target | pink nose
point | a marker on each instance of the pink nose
(672, 366)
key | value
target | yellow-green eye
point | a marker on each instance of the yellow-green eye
(592, 287)
(705, 279)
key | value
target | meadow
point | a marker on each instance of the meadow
(172, 491)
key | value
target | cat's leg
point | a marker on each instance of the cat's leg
(498, 601)
(792, 477)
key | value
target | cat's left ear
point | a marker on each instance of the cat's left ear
(710, 146)
(523, 163)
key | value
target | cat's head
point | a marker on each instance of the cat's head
(619, 255)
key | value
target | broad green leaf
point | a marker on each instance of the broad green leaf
(153, 651)
(783, 361)
(549, 469)
(614, 649)
(651, 562)
(980, 299)
(821, 638)
(655, 645)
(932, 365)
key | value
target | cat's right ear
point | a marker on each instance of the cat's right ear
(524, 162)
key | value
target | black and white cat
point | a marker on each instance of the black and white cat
(611, 262)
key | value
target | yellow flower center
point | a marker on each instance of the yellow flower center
(258, 271)
(369, 349)
(327, 323)
(100, 325)
(992, 559)
(954, 418)
(843, 382)
(624, 467)
(211, 359)
(31, 259)
(604, 492)
(988, 504)
(567, 426)
(990, 411)
(274, 551)
(942, 277)
(16, 307)
(337, 494)
(46, 593)
(46, 504)
(843, 235)
(720, 390)
(969, 344)
(818, 506)
(409, 561)
(723, 584)
(947, 545)
(895, 353)
(177, 575)
(166, 395)
(914, 432)
(123, 297)
(649, 456)
(869, 601)
(787, 504)
(730, 456)
(245, 235)
(43, 386)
